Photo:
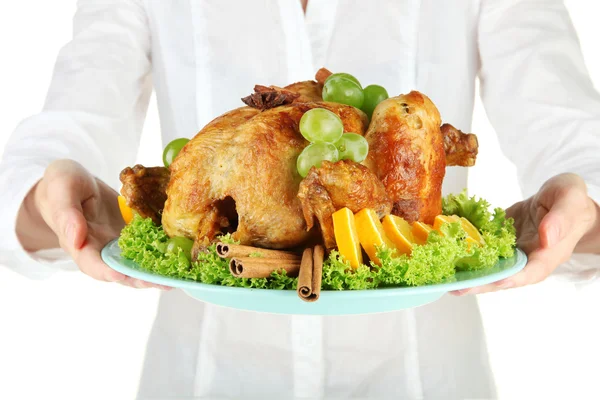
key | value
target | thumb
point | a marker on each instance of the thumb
(64, 188)
(563, 219)
(70, 227)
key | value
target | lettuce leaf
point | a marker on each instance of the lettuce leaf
(144, 242)
(497, 230)
(339, 275)
(430, 263)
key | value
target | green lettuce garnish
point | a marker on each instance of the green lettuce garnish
(497, 230)
(434, 262)
(143, 242)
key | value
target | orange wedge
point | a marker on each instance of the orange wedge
(400, 232)
(420, 232)
(346, 236)
(371, 234)
(473, 235)
(126, 211)
(442, 219)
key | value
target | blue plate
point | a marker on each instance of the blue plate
(330, 302)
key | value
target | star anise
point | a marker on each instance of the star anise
(265, 97)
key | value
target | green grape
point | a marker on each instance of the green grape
(344, 91)
(313, 155)
(352, 146)
(374, 94)
(344, 75)
(321, 125)
(180, 242)
(172, 149)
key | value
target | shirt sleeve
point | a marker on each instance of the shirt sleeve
(539, 97)
(93, 114)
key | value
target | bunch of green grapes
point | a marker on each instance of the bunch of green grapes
(325, 131)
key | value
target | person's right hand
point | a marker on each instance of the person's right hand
(72, 209)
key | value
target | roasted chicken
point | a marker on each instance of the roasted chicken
(238, 174)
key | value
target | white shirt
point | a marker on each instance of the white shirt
(201, 57)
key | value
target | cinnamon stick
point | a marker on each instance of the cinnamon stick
(227, 250)
(311, 274)
(256, 267)
(304, 288)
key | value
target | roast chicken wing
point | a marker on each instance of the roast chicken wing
(337, 185)
(461, 148)
(144, 190)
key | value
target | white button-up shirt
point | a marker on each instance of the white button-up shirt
(201, 57)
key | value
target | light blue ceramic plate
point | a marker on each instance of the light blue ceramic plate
(330, 302)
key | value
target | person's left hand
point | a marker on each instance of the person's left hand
(551, 225)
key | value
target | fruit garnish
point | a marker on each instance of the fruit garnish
(371, 234)
(172, 149)
(374, 94)
(343, 75)
(352, 146)
(421, 232)
(443, 219)
(400, 232)
(180, 242)
(313, 155)
(126, 211)
(321, 125)
(339, 89)
(473, 234)
(346, 236)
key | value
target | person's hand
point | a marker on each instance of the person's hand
(551, 225)
(70, 208)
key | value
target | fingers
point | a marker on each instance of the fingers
(540, 264)
(559, 217)
(68, 201)
(139, 284)
(89, 261)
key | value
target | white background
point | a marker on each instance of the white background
(71, 337)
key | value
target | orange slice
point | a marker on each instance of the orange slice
(420, 232)
(126, 211)
(442, 219)
(371, 234)
(400, 232)
(473, 235)
(346, 236)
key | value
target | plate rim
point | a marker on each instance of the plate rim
(106, 255)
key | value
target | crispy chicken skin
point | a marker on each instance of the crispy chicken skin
(337, 185)
(461, 148)
(406, 152)
(145, 189)
(241, 170)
